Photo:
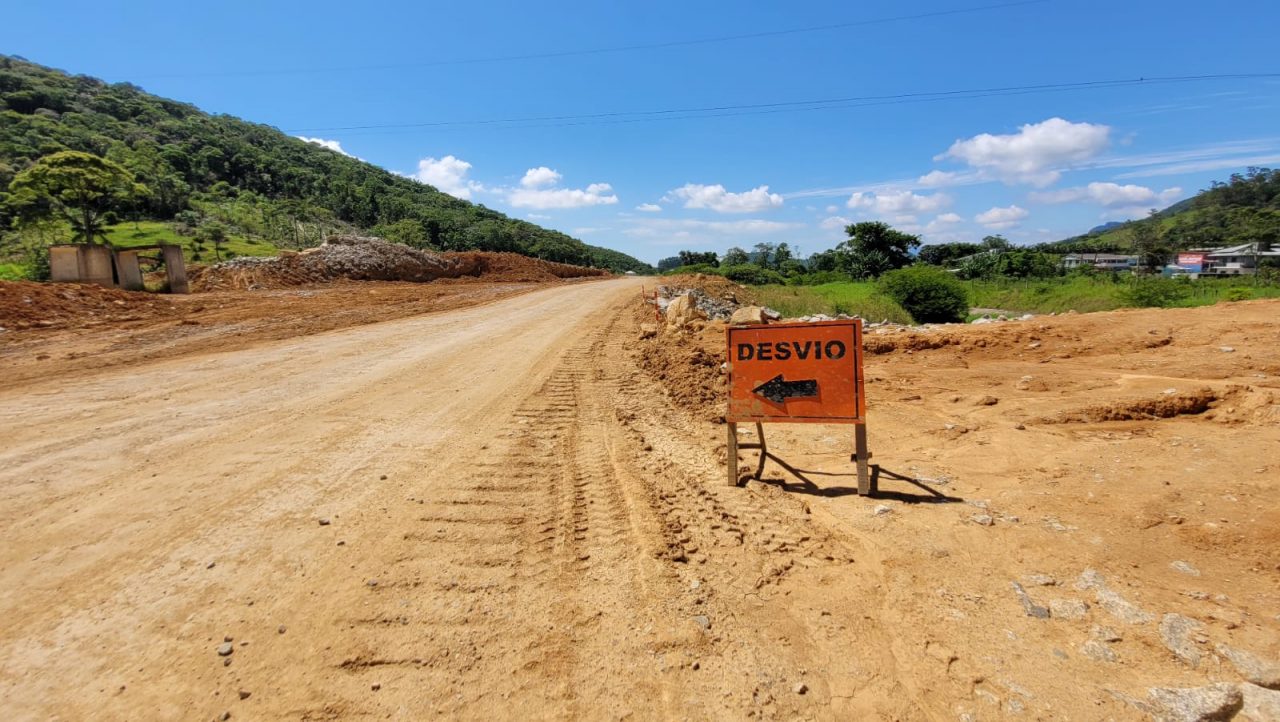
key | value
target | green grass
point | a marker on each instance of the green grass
(1083, 294)
(1056, 295)
(146, 233)
(854, 299)
(13, 272)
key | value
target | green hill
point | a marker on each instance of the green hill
(261, 184)
(1244, 209)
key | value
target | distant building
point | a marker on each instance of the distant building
(1237, 260)
(1100, 261)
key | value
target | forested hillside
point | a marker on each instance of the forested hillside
(1244, 209)
(252, 179)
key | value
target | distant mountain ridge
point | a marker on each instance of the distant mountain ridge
(1244, 209)
(265, 182)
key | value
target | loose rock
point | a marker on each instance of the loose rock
(1030, 607)
(1097, 651)
(1068, 608)
(323, 521)
(1185, 568)
(1260, 705)
(1214, 703)
(1179, 635)
(982, 519)
(1253, 668)
(225, 649)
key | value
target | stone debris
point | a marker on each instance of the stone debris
(881, 509)
(1110, 600)
(1039, 580)
(1195, 704)
(1068, 608)
(1260, 705)
(1028, 605)
(1181, 635)
(1185, 568)
(1253, 668)
(1098, 651)
(719, 309)
(683, 310)
(225, 649)
(748, 315)
(703, 621)
(982, 519)
(1104, 634)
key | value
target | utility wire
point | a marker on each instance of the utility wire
(631, 116)
(606, 50)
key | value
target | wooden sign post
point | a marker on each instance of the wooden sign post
(799, 373)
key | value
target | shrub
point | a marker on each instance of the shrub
(929, 294)
(1155, 292)
(752, 275)
(1237, 294)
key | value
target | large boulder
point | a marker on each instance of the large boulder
(748, 315)
(682, 311)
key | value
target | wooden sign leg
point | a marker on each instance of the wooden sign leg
(864, 461)
(733, 453)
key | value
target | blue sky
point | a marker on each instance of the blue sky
(433, 78)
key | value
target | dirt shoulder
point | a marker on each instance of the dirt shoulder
(52, 330)
(1120, 468)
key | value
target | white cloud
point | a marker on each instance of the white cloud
(720, 200)
(1202, 166)
(1111, 195)
(835, 223)
(1000, 219)
(1035, 154)
(902, 205)
(537, 216)
(944, 222)
(937, 178)
(543, 198)
(448, 175)
(649, 208)
(540, 177)
(332, 145)
(833, 209)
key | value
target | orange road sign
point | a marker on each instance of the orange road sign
(800, 372)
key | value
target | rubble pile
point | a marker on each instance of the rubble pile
(716, 297)
(360, 258)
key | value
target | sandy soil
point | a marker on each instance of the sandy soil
(497, 511)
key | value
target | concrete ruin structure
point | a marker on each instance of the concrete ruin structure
(115, 267)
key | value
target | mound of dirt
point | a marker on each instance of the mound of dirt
(1164, 407)
(515, 268)
(25, 304)
(361, 258)
(688, 364)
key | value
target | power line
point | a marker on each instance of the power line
(549, 55)
(632, 116)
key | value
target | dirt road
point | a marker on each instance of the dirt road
(494, 512)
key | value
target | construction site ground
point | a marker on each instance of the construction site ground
(501, 501)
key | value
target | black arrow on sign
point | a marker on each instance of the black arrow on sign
(777, 390)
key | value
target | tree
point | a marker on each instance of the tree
(695, 258)
(214, 233)
(735, 257)
(873, 248)
(781, 256)
(408, 231)
(670, 263)
(996, 242)
(1148, 245)
(945, 254)
(82, 188)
